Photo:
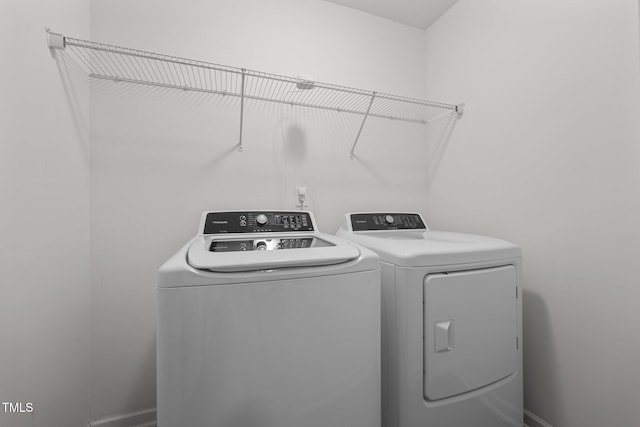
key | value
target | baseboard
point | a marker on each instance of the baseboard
(147, 418)
(144, 418)
(532, 420)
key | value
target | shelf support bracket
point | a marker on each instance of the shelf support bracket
(364, 119)
(244, 71)
(55, 41)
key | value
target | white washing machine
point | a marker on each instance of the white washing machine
(452, 323)
(265, 322)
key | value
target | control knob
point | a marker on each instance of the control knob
(262, 219)
(389, 219)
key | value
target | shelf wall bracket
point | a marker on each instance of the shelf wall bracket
(55, 41)
(244, 73)
(364, 119)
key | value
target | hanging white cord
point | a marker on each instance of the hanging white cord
(284, 175)
(312, 200)
(285, 168)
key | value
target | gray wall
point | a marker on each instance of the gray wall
(44, 219)
(547, 156)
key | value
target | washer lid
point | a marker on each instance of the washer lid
(253, 253)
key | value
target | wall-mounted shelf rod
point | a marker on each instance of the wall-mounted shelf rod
(121, 64)
(364, 119)
(242, 87)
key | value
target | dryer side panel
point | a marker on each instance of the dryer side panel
(470, 330)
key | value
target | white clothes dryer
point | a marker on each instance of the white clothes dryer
(451, 323)
(265, 322)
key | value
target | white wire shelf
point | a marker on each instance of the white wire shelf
(123, 64)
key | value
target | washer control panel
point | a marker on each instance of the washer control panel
(257, 222)
(386, 221)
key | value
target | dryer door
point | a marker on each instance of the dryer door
(470, 330)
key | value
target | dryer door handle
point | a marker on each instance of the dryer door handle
(443, 336)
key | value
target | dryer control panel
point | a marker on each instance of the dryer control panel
(386, 221)
(257, 222)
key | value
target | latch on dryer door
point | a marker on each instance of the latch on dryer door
(443, 336)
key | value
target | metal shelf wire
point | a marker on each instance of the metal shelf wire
(123, 64)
